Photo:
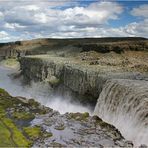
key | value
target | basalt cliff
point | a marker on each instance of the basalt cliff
(110, 74)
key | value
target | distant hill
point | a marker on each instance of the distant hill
(103, 45)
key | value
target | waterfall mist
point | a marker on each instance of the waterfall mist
(124, 103)
(38, 91)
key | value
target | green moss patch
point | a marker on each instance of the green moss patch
(5, 138)
(79, 116)
(23, 115)
(36, 132)
(3, 92)
(10, 135)
(32, 132)
(32, 102)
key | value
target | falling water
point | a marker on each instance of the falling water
(38, 91)
(124, 103)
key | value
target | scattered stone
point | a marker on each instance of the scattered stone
(53, 129)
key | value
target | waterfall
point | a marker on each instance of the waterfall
(39, 91)
(124, 103)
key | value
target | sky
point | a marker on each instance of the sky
(30, 19)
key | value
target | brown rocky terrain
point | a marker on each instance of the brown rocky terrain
(103, 45)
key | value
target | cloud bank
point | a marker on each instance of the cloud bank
(22, 20)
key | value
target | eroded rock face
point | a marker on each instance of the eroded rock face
(82, 79)
(11, 52)
(71, 76)
(35, 125)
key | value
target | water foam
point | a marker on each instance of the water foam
(124, 103)
(38, 91)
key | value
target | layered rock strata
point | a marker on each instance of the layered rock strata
(83, 79)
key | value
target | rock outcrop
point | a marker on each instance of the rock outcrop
(26, 123)
(11, 50)
(79, 78)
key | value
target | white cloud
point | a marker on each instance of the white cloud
(1, 16)
(41, 17)
(140, 11)
(139, 28)
(4, 36)
(31, 7)
(33, 19)
(96, 13)
(13, 26)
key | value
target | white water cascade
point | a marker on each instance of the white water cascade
(124, 103)
(38, 91)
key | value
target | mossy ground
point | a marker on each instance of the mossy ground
(79, 116)
(10, 134)
(5, 139)
(33, 132)
(15, 135)
(23, 115)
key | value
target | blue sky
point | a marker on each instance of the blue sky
(23, 20)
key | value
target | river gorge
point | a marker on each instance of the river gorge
(98, 99)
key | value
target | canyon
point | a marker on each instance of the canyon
(108, 75)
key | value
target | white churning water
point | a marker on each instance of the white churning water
(37, 91)
(124, 103)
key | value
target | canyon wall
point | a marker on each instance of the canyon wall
(73, 77)
(65, 74)
(11, 50)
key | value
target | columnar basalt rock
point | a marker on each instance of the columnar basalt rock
(72, 76)
(83, 80)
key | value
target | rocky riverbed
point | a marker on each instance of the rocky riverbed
(28, 123)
